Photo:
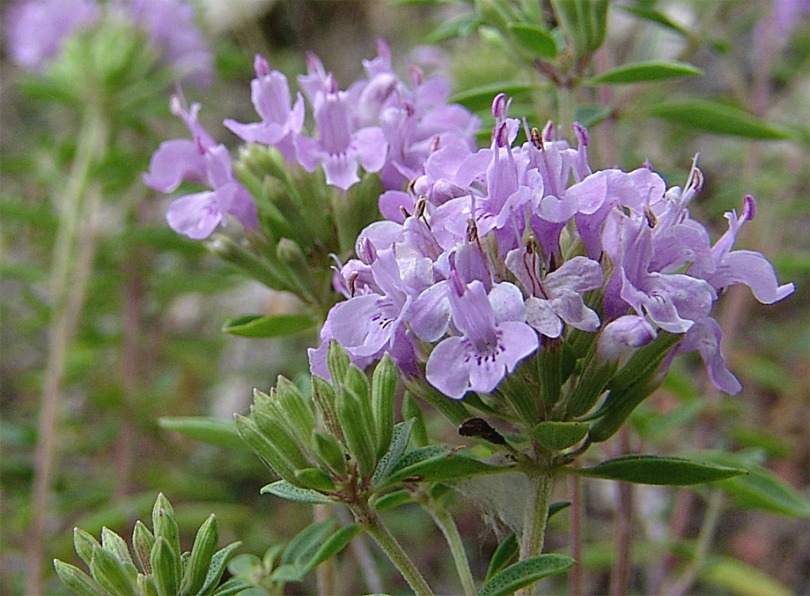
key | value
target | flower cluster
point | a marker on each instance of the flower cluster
(491, 255)
(379, 123)
(38, 29)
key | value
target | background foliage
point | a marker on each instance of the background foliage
(159, 300)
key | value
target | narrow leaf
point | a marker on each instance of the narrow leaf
(503, 555)
(740, 578)
(392, 500)
(525, 573)
(715, 117)
(760, 488)
(559, 435)
(306, 543)
(651, 469)
(218, 564)
(534, 39)
(332, 546)
(480, 98)
(233, 586)
(399, 442)
(285, 490)
(446, 467)
(222, 433)
(268, 325)
(461, 26)
(645, 72)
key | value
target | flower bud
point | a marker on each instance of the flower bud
(274, 429)
(338, 362)
(357, 429)
(165, 567)
(76, 579)
(142, 542)
(113, 543)
(164, 524)
(324, 397)
(296, 410)
(314, 479)
(205, 544)
(383, 395)
(329, 452)
(111, 574)
(84, 543)
(250, 432)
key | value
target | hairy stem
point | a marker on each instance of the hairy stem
(536, 514)
(73, 255)
(371, 522)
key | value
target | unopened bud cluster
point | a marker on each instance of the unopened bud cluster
(335, 443)
(158, 566)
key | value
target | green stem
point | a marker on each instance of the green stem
(448, 527)
(371, 522)
(565, 109)
(536, 515)
(73, 254)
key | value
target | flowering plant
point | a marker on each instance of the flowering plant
(513, 290)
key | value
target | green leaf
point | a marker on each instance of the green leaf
(760, 488)
(740, 578)
(218, 564)
(268, 325)
(394, 499)
(651, 469)
(76, 579)
(332, 546)
(205, 544)
(534, 39)
(306, 543)
(559, 435)
(399, 442)
(446, 467)
(233, 586)
(525, 573)
(503, 555)
(644, 72)
(655, 16)
(715, 117)
(285, 490)
(222, 433)
(555, 508)
(480, 98)
(591, 115)
(460, 26)
(419, 455)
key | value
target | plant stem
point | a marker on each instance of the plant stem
(73, 255)
(536, 514)
(371, 522)
(575, 489)
(448, 527)
(619, 579)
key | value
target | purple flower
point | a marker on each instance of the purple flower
(270, 95)
(339, 149)
(171, 26)
(624, 334)
(741, 266)
(199, 161)
(36, 30)
(489, 346)
(557, 298)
